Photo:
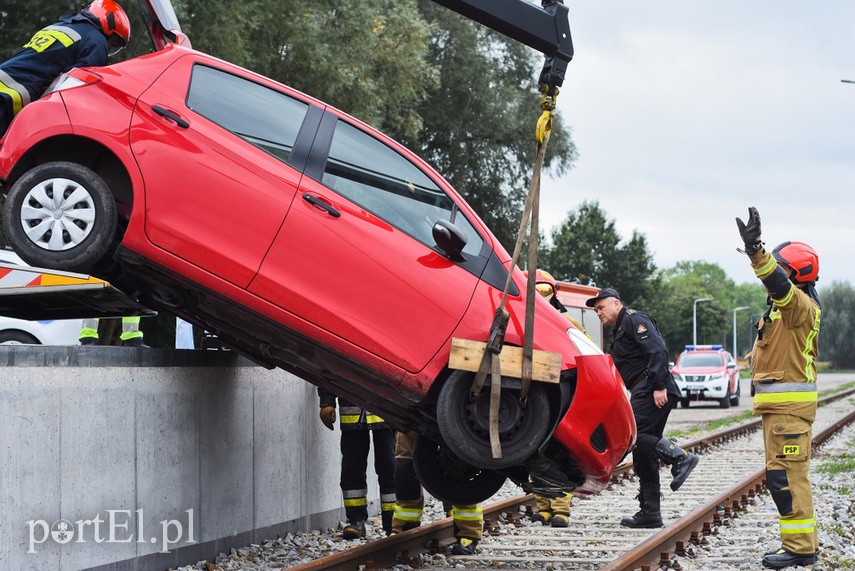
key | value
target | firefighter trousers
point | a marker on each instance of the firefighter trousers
(355, 446)
(787, 440)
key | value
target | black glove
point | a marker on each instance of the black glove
(750, 232)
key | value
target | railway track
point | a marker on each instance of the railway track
(725, 489)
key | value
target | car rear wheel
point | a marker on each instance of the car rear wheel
(17, 338)
(464, 421)
(447, 477)
(734, 399)
(60, 215)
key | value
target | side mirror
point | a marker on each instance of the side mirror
(670, 365)
(450, 239)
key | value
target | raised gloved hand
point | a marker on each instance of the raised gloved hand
(750, 231)
(327, 415)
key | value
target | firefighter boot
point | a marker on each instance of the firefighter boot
(386, 518)
(354, 530)
(649, 514)
(682, 462)
(464, 546)
(544, 511)
(784, 558)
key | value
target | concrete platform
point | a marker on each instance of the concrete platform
(136, 458)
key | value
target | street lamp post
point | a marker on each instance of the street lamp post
(735, 309)
(695, 318)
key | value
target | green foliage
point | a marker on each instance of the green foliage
(587, 247)
(674, 306)
(837, 325)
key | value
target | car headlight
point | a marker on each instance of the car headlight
(717, 377)
(583, 344)
(677, 378)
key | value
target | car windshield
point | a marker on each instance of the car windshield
(700, 360)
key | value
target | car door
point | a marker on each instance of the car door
(218, 154)
(356, 257)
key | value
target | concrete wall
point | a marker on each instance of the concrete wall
(201, 439)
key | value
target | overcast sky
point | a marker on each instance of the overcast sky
(687, 112)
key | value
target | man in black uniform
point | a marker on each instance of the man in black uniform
(638, 350)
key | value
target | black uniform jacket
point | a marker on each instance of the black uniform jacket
(639, 353)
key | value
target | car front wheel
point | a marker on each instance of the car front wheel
(60, 215)
(464, 421)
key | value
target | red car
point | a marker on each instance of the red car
(306, 240)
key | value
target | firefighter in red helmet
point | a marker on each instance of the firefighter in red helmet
(84, 38)
(784, 377)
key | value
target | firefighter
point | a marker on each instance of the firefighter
(131, 335)
(638, 350)
(84, 38)
(357, 427)
(468, 519)
(784, 378)
(553, 511)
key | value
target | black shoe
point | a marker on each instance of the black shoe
(682, 469)
(783, 558)
(89, 341)
(541, 517)
(464, 546)
(134, 342)
(353, 530)
(559, 520)
(643, 519)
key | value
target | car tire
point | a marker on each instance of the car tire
(734, 399)
(70, 232)
(725, 402)
(684, 403)
(12, 337)
(448, 478)
(464, 422)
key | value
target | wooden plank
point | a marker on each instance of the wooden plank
(466, 356)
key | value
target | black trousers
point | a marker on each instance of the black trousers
(650, 422)
(355, 445)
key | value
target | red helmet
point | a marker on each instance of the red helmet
(801, 257)
(114, 22)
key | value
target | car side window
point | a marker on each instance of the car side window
(263, 117)
(374, 176)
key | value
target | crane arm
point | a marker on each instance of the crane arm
(546, 29)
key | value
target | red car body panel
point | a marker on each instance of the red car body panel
(208, 214)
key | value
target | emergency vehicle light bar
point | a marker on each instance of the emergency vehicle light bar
(703, 347)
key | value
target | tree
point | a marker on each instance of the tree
(674, 305)
(587, 247)
(837, 325)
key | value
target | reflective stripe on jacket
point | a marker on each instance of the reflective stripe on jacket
(784, 355)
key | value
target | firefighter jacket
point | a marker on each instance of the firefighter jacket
(352, 417)
(639, 353)
(783, 360)
(75, 40)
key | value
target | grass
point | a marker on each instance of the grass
(712, 425)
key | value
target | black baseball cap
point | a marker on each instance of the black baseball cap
(603, 293)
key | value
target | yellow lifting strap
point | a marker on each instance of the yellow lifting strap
(530, 220)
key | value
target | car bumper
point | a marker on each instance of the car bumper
(706, 390)
(598, 428)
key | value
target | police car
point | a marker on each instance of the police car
(707, 372)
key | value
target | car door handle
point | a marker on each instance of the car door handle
(315, 201)
(167, 113)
